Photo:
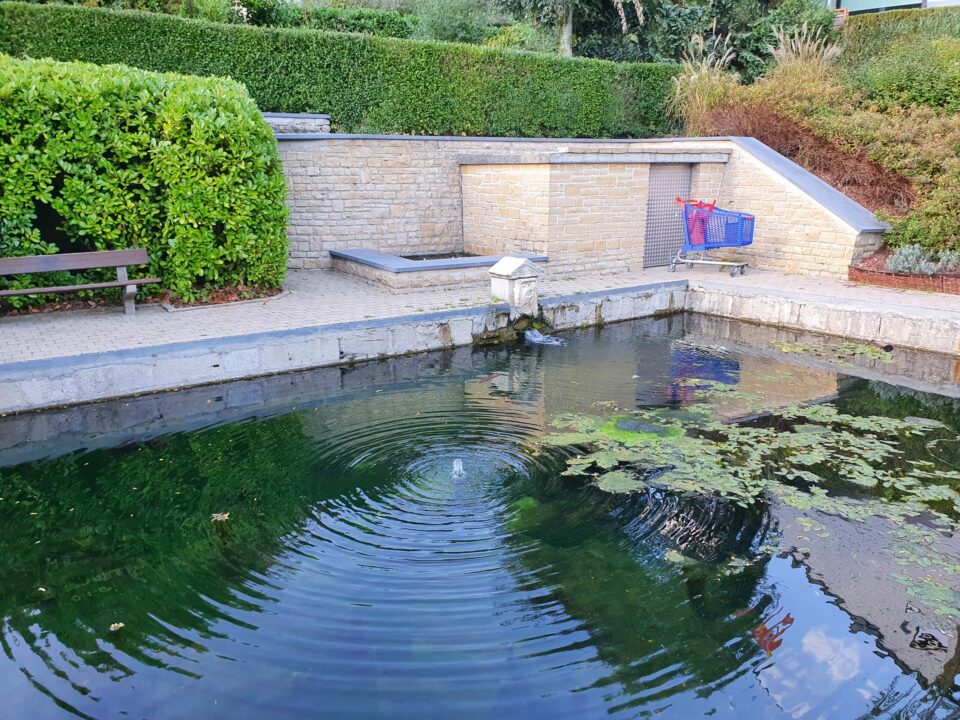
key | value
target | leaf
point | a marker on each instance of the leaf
(619, 481)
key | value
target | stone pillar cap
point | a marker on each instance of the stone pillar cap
(515, 268)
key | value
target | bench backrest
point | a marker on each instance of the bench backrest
(72, 261)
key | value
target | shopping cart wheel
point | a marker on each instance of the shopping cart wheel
(689, 266)
(743, 269)
(673, 266)
(733, 271)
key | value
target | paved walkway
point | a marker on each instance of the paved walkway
(323, 297)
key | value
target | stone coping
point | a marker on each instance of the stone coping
(295, 116)
(397, 264)
(847, 210)
(644, 158)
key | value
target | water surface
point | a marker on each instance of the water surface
(326, 557)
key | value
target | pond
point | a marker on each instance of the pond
(494, 533)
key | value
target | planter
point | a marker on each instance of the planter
(905, 281)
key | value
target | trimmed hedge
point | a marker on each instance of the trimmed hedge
(108, 157)
(871, 36)
(385, 23)
(365, 83)
(926, 72)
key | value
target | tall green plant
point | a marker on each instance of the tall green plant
(105, 158)
(365, 83)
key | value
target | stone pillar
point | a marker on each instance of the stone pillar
(516, 280)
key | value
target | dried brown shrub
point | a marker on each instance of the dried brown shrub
(852, 173)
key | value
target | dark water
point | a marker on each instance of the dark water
(358, 575)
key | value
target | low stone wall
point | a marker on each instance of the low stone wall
(583, 203)
(415, 279)
(297, 123)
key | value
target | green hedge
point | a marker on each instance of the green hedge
(366, 83)
(104, 158)
(385, 23)
(925, 72)
(872, 36)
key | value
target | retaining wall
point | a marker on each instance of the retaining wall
(581, 202)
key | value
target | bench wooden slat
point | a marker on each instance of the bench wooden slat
(72, 261)
(77, 288)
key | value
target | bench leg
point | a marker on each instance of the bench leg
(129, 292)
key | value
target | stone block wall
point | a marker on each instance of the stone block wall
(506, 208)
(406, 195)
(793, 233)
(597, 216)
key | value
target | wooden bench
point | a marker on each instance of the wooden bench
(118, 259)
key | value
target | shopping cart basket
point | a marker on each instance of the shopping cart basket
(707, 227)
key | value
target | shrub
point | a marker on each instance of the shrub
(921, 72)
(366, 84)
(461, 21)
(106, 158)
(869, 37)
(949, 262)
(851, 172)
(803, 45)
(703, 82)
(272, 13)
(213, 10)
(911, 259)
(385, 23)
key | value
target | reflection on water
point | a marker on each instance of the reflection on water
(399, 547)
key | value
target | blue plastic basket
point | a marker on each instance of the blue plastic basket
(707, 228)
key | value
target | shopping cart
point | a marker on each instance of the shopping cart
(707, 227)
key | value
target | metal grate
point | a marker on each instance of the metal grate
(664, 233)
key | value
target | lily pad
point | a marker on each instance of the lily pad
(619, 481)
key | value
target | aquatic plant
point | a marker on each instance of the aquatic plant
(813, 458)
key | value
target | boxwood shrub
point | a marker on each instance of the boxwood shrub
(109, 157)
(366, 83)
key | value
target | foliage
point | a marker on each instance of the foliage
(361, 20)
(703, 82)
(804, 45)
(918, 143)
(814, 458)
(911, 259)
(463, 21)
(212, 10)
(272, 13)
(949, 262)
(922, 72)
(367, 84)
(106, 158)
(525, 35)
(870, 37)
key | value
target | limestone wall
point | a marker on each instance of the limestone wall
(792, 233)
(407, 195)
(506, 208)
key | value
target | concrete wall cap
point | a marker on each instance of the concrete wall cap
(515, 268)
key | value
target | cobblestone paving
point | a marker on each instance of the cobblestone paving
(324, 297)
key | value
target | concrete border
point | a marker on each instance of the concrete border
(32, 385)
(296, 116)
